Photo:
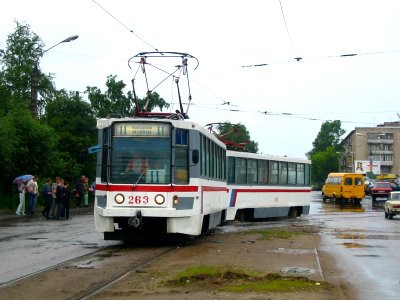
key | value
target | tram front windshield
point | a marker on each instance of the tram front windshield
(137, 160)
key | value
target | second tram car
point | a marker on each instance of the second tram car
(173, 176)
(267, 186)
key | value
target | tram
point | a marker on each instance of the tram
(267, 186)
(160, 173)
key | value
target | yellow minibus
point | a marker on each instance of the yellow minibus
(344, 187)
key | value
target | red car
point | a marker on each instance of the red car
(380, 189)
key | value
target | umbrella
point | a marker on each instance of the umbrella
(22, 178)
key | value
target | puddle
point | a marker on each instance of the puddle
(367, 255)
(91, 264)
(298, 271)
(293, 251)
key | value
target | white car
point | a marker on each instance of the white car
(392, 205)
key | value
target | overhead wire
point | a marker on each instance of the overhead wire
(123, 25)
(296, 59)
(287, 30)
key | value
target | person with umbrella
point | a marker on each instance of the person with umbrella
(20, 181)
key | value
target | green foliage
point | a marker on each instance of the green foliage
(24, 48)
(329, 135)
(73, 120)
(326, 152)
(27, 146)
(154, 100)
(113, 102)
(237, 134)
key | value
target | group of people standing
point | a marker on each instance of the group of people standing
(56, 196)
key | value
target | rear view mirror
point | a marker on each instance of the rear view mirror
(195, 156)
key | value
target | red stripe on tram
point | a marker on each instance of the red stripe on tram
(147, 188)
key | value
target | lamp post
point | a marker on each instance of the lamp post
(36, 74)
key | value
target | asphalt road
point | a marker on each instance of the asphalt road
(364, 243)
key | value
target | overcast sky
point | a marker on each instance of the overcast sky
(229, 38)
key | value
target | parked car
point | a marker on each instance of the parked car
(380, 189)
(395, 187)
(392, 205)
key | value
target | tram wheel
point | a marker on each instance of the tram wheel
(293, 212)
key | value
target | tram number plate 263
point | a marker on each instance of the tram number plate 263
(138, 200)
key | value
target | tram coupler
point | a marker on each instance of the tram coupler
(136, 221)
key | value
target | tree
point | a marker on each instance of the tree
(154, 101)
(115, 103)
(73, 120)
(329, 135)
(238, 136)
(326, 152)
(17, 62)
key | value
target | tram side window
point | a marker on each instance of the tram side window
(300, 174)
(292, 173)
(181, 156)
(231, 169)
(240, 170)
(262, 171)
(203, 156)
(251, 171)
(307, 175)
(283, 172)
(273, 171)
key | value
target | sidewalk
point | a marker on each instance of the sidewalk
(8, 214)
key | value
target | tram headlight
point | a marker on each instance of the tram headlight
(159, 199)
(119, 198)
(175, 199)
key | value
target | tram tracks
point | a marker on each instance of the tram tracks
(87, 275)
(133, 269)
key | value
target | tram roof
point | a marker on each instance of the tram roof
(266, 156)
(185, 124)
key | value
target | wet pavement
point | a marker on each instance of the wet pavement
(30, 244)
(364, 244)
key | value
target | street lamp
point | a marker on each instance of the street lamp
(36, 74)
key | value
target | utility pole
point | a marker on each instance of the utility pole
(36, 75)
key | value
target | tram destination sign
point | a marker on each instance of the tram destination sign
(142, 129)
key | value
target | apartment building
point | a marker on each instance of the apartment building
(373, 150)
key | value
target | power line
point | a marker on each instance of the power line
(287, 30)
(123, 25)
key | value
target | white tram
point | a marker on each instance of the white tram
(266, 186)
(159, 173)
(158, 176)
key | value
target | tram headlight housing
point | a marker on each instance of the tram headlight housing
(159, 199)
(119, 198)
(175, 200)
